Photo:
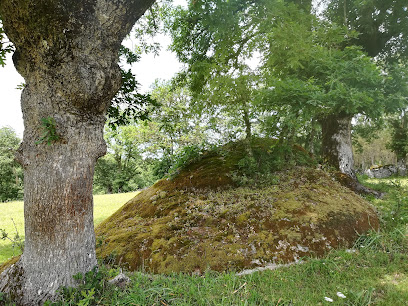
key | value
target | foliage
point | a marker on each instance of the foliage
(93, 287)
(11, 179)
(145, 150)
(49, 131)
(265, 157)
(172, 126)
(5, 46)
(326, 80)
(217, 40)
(277, 62)
(373, 151)
(123, 169)
(128, 104)
(177, 123)
(399, 136)
(230, 96)
(185, 156)
(397, 85)
(382, 25)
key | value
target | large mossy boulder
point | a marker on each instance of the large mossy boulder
(200, 219)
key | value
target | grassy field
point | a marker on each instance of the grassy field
(12, 218)
(373, 272)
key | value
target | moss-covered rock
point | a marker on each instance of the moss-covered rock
(202, 220)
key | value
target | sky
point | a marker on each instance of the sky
(147, 70)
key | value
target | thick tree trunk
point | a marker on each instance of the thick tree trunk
(67, 51)
(337, 152)
(336, 143)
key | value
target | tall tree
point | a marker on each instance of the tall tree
(124, 168)
(399, 141)
(382, 27)
(67, 52)
(304, 69)
(397, 86)
(326, 82)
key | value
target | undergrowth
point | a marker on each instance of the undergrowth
(257, 159)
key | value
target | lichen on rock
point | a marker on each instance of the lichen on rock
(200, 219)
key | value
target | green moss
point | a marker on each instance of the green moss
(197, 221)
(9, 263)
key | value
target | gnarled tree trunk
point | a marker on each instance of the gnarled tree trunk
(67, 52)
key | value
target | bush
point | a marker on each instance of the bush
(11, 178)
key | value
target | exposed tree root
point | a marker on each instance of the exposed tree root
(356, 186)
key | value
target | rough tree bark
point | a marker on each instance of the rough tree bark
(67, 52)
(337, 151)
(336, 143)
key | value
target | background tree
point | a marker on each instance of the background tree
(217, 40)
(383, 32)
(326, 82)
(230, 96)
(373, 151)
(175, 124)
(11, 179)
(304, 73)
(146, 150)
(397, 86)
(67, 52)
(399, 141)
(124, 168)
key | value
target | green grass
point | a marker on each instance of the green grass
(105, 205)
(374, 272)
(363, 277)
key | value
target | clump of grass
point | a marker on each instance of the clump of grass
(393, 211)
(12, 222)
(16, 240)
(345, 277)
